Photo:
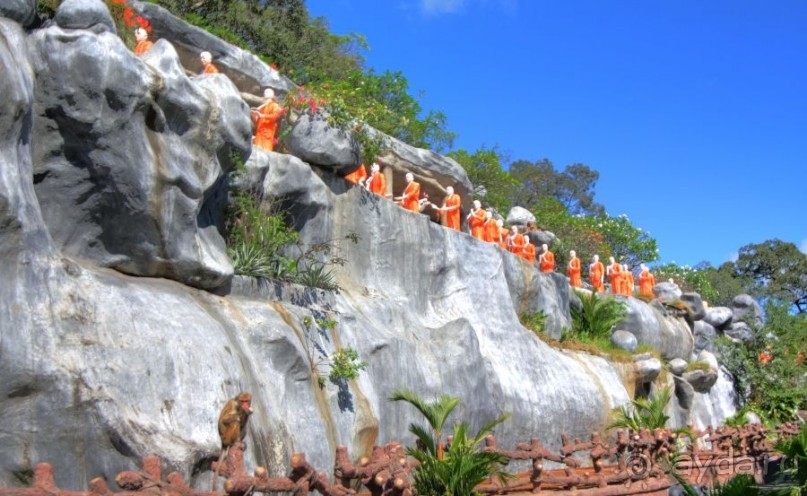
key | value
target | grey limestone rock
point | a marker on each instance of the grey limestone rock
(684, 392)
(519, 216)
(85, 14)
(249, 73)
(131, 155)
(316, 142)
(705, 334)
(22, 232)
(677, 366)
(696, 303)
(667, 291)
(668, 334)
(709, 358)
(647, 369)
(541, 237)
(624, 340)
(21, 11)
(745, 308)
(740, 331)
(752, 418)
(701, 380)
(718, 317)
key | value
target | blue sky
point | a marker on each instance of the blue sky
(693, 111)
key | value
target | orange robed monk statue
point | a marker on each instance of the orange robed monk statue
(528, 253)
(596, 271)
(546, 260)
(646, 281)
(143, 43)
(376, 183)
(628, 281)
(265, 118)
(411, 195)
(515, 242)
(493, 234)
(358, 176)
(612, 271)
(207, 63)
(574, 270)
(451, 209)
(476, 221)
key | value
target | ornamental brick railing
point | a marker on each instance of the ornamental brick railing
(631, 463)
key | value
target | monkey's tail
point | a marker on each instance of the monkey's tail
(224, 452)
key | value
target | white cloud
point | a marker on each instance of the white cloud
(435, 7)
(803, 246)
(441, 6)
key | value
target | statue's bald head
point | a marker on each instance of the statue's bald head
(269, 93)
(205, 57)
(410, 177)
(449, 190)
(141, 34)
(477, 204)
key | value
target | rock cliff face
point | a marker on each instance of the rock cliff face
(111, 184)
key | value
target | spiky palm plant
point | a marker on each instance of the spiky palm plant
(795, 461)
(596, 316)
(643, 413)
(463, 466)
(436, 412)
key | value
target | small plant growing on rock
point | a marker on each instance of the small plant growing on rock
(643, 413)
(534, 321)
(596, 316)
(346, 364)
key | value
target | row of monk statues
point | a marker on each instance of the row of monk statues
(264, 117)
(481, 223)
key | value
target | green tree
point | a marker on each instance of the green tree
(629, 244)
(485, 170)
(775, 269)
(725, 282)
(573, 187)
(689, 279)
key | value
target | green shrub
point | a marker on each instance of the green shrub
(464, 465)
(346, 364)
(795, 458)
(597, 315)
(643, 413)
(534, 321)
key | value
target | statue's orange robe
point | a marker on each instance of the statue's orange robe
(477, 223)
(378, 184)
(503, 238)
(546, 262)
(646, 283)
(630, 283)
(268, 115)
(517, 244)
(574, 273)
(453, 216)
(529, 253)
(492, 231)
(595, 272)
(411, 195)
(614, 278)
(142, 47)
(357, 175)
(210, 69)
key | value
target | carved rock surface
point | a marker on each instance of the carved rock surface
(85, 14)
(316, 142)
(669, 335)
(696, 303)
(705, 334)
(624, 340)
(130, 156)
(519, 216)
(745, 307)
(719, 317)
(740, 331)
(21, 11)
(249, 73)
(667, 291)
